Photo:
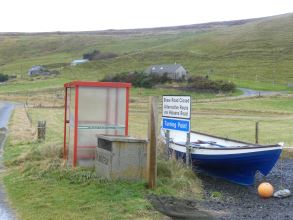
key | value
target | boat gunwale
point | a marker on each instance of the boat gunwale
(248, 146)
(232, 148)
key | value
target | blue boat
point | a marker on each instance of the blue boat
(225, 158)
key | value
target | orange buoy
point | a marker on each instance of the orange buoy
(265, 190)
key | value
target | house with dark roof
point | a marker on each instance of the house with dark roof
(173, 71)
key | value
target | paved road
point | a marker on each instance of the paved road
(6, 213)
(253, 93)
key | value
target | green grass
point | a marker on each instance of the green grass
(135, 92)
(281, 105)
(255, 55)
(49, 191)
(43, 84)
(24, 86)
(52, 197)
(232, 118)
(39, 186)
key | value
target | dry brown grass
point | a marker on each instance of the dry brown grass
(287, 153)
(177, 175)
(50, 98)
(21, 129)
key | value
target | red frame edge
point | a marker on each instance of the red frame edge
(127, 111)
(98, 84)
(65, 121)
(75, 127)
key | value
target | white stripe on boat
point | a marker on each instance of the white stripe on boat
(223, 151)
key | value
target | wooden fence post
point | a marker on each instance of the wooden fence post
(256, 132)
(41, 130)
(152, 145)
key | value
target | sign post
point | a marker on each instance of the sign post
(166, 150)
(176, 114)
(152, 148)
(188, 149)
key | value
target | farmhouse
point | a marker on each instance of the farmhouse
(37, 70)
(173, 71)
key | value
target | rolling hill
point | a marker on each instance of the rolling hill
(254, 53)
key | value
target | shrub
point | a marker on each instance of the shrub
(97, 55)
(138, 79)
(205, 84)
(3, 77)
(12, 76)
(90, 55)
(102, 56)
(225, 86)
(198, 83)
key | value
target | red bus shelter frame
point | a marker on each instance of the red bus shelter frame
(76, 85)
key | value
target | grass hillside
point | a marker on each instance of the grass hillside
(254, 53)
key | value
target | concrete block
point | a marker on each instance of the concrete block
(120, 157)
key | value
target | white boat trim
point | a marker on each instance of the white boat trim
(222, 151)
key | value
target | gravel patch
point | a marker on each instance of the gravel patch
(231, 201)
(228, 201)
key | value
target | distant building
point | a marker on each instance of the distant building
(173, 71)
(37, 70)
(78, 62)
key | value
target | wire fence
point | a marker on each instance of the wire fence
(231, 117)
(274, 80)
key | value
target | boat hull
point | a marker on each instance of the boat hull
(238, 166)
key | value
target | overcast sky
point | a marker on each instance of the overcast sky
(84, 15)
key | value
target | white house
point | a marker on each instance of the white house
(173, 71)
(78, 62)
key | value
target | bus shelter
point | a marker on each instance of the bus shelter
(92, 108)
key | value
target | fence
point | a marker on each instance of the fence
(231, 117)
(222, 116)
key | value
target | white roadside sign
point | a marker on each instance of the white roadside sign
(176, 107)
